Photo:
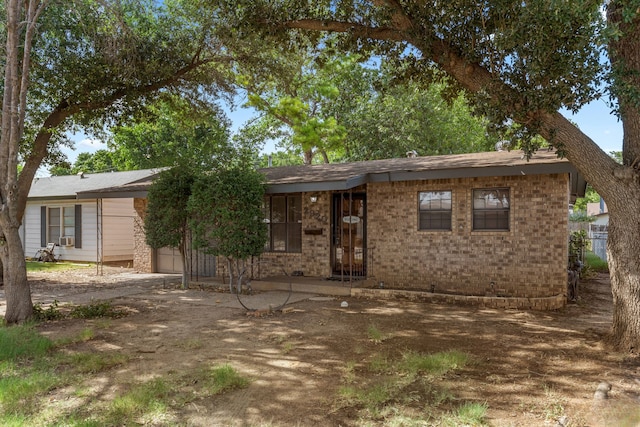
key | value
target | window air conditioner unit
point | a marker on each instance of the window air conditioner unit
(66, 241)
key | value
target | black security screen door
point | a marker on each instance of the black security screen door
(349, 235)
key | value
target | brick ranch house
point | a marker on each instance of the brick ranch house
(479, 226)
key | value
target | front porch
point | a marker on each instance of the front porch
(316, 285)
(302, 284)
(370, 288)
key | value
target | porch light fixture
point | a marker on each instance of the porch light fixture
(313, 199)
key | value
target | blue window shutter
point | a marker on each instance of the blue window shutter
(78, 224)
(43, 226)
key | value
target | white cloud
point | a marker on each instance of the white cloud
(91, 144)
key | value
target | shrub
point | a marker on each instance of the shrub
(41, 314)
(96, 310)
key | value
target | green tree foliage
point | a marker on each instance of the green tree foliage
(591, 196)
(406, 117)
(281, 158)
(166, 219)
(168, 132)
(226, 216)
(61, 168)
(345, 108)
(301, 100)
(172, 132)
(98, 162)
(616, 155)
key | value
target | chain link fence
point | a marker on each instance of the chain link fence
(596, 235)
(599, 244)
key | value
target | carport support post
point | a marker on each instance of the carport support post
(99, 237)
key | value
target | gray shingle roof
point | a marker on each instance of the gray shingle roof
(334, 176)
(343, 176)
(58, 187)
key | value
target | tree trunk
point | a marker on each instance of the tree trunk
(623, 245)
(232, 274)
(16, 287)
(623, 255)
(186, 260)
(619, 185)
(237, 271)
(308, 156)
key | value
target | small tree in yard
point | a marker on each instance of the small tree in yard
(226, 217)
(166, 220)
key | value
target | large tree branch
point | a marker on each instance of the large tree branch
(475, 78)
(66, 109)
(624, 54)
(120, 93)
(359, 30)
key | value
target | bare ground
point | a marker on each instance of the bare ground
(530, 368)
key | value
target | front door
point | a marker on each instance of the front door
(349, 234)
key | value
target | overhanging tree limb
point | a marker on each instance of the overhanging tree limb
(66, 109)
(475, 78)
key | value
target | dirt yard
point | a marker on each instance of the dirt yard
(530, 368)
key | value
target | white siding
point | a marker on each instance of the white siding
(31, 229)
(31, 225)
(117, 229)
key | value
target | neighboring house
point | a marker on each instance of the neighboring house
(485, 225)
(601, 220)
(598, 228)
(597, 208)
(84, 229)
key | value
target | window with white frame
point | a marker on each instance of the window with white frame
(61, 223)
(491, 208)
(434, 210)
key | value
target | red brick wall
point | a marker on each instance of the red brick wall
(314, 261)
(529, 260)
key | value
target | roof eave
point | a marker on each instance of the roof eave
(138, 194)
(55, 198)
(400, 176)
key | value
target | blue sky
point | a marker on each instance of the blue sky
(599, 124)
(595, 120)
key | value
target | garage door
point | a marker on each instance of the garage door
(168, 260)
